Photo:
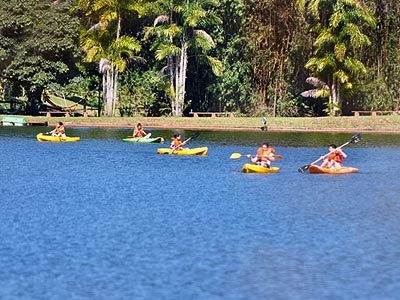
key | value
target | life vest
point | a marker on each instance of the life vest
(60, 129)
(264, 154)
(336, 156)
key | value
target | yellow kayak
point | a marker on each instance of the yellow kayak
(195, 151)
(251, 168)
(343, 170)
(49, 138)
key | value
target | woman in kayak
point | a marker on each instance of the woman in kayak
(334, 159)
(176, 143)
(265, 155)
(138, 131)
(59, 130)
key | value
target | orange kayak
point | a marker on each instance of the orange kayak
(343, 170)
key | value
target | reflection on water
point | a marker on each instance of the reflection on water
(103, 219)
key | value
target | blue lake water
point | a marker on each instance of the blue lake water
(104, 219)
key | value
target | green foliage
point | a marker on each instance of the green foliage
(182, 21)
(141, 93)
(374, 94)
(233, 90)
(260, 50)
(38, 45)
(84, 87)
(341, 24)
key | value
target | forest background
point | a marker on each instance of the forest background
(169, 57)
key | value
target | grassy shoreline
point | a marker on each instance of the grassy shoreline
(373, 124)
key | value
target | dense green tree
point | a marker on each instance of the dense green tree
(339, 26)
(233, 90)
(379, 90)
(276, 35)
(265, 48)
(38, 45)
(104, 43)
(180, 29)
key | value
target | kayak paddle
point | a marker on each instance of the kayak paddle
(239, 155)
(354, 139)
(194, 136)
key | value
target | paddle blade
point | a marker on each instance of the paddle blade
(304, 169)
(235, 156)
(355, 138)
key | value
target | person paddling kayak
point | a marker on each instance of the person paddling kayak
(334, 159)
(176, 143)
(59, 130)
(264, 157)
(138, 131)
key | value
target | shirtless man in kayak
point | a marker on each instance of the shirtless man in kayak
(138, 131)
(334, 159)
(264, 157)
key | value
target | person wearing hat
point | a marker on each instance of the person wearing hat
(264, 157)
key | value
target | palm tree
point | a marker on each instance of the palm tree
(104, 44)
(179, 28)
(339, 25)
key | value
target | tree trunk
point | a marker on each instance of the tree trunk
(115, 90)
(109, 93)
(183, 78)
(181, 62)
(334, 98)
(170, 66)
(105, 90)
(177, 87)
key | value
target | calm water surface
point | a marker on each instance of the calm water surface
(103, 219)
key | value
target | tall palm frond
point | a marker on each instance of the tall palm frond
(165, 50)
(163, 19)
(216, 65)
(203, 40)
